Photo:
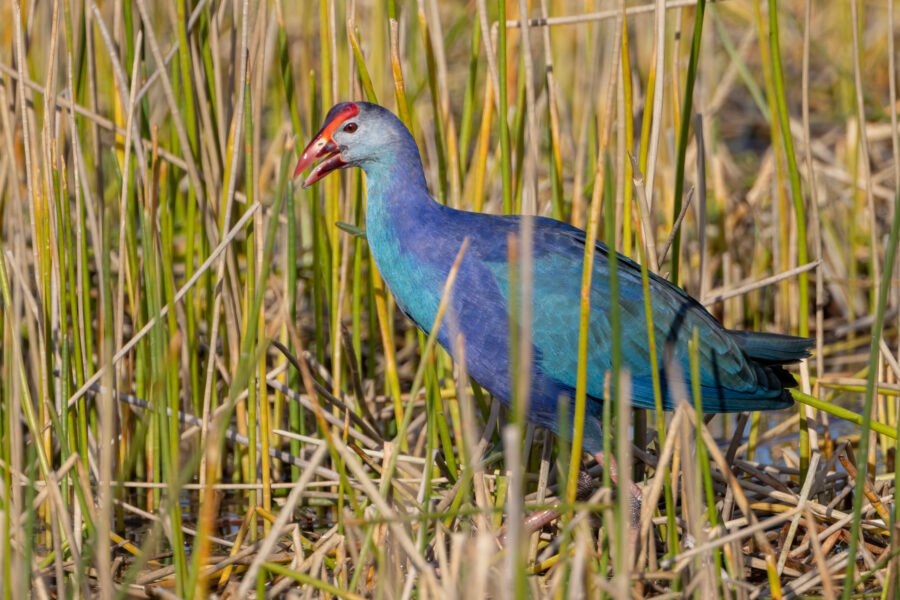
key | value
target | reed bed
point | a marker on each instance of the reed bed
(205, 388)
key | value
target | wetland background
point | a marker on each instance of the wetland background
(204, 387)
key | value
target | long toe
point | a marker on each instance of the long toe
(634, 491)
(539, 519)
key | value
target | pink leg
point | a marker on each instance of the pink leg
(539, 519)
(634, 490)
(636, 498)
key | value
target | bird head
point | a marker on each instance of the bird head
(355, 134)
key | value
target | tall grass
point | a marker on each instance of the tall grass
(206, 386)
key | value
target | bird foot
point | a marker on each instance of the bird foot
(636, 497)
(539, 519)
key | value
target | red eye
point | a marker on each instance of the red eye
(350, 127)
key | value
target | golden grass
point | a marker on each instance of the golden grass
(204, 386)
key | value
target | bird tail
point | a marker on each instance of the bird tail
(773, 348)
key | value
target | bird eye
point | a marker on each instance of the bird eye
(350, 127)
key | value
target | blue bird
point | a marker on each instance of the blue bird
(415, 239)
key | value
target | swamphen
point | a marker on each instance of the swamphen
(415, 239)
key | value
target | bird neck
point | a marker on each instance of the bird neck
(396, 187)
(402, 223)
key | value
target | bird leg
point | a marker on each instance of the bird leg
(634, 491)
(635, 501)
(541, 518)
(585, 488)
